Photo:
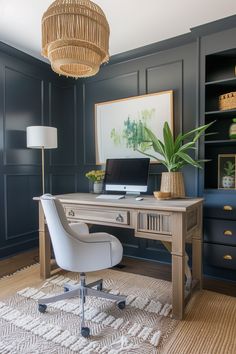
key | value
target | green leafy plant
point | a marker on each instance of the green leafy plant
(229, 169)
(175, 153)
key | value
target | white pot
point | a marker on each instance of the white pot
(228, 182)
(97, 187)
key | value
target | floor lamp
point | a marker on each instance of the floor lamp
(40, 137)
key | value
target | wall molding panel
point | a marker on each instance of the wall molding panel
(115, 87)
(20, 211)
(24, 101)
(19, 112)
(63, 115)
(63, 183)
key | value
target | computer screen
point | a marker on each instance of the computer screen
(128, 175)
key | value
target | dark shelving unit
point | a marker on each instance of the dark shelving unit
(220, 204)
(220, 78)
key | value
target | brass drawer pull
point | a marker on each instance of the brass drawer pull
(119, 218)
(228, 208)
(228, 233)
(71, 213)
(228, 257)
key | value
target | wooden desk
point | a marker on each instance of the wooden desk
(174, 222)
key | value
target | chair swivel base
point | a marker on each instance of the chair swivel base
(82, 290)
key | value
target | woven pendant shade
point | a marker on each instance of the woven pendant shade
(75, 37)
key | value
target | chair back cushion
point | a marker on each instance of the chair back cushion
(64, 242)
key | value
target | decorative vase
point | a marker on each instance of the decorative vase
(232, 130)
(227, 182)
(173, 182)
(97, 187)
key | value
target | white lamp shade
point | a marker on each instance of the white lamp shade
(39, 137)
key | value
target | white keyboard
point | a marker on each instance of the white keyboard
(110, 196)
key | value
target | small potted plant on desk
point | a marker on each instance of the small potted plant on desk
(96, 178)
(173, 154)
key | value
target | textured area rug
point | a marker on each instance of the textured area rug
(143, 326)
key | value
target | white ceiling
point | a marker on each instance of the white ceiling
(133, 23)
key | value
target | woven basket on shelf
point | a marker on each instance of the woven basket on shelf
(173, 182)
(227, 101)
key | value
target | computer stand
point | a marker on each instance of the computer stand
(132, 194)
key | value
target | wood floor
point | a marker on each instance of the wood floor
(208, 328)
(131, 265)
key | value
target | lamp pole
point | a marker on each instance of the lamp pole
(43, 178)
(41, 137)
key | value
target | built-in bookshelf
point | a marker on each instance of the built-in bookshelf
(220, 78)
(220, 204)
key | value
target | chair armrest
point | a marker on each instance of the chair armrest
(79, 228)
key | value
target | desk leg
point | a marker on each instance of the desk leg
(178, 277)
(197, 262)
(178, 264)
(44, 247)
(197, 251)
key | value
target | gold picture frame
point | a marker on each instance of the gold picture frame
(113, 119)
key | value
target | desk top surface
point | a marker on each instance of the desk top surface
(148, 202)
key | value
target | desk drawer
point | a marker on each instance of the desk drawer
(99, 215)
(220, 256)
(220, 231)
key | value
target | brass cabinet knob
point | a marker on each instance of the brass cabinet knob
(228, 208)
(228, 233)
(228, 257)
(119, 218)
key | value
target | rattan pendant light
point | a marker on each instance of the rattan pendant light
(75, 37)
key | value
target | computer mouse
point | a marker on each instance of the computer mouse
(139, 198)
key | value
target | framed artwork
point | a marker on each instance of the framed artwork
(120, 124)
(227, 171)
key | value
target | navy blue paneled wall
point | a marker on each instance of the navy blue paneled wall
(173, 69)
(30, 94)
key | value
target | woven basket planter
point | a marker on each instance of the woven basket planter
(173, 182)
(227, 101)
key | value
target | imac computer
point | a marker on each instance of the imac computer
(127, 175)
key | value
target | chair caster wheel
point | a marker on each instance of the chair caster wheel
(85, 331)
(99, 287)
(42, 308)
(121, 305)
(66, 289)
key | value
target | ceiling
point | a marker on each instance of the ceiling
(133, 23)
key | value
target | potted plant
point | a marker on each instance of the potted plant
(174, 154)
(96, 177)
(228, 178)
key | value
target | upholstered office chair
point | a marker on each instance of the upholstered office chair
(77, 250)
